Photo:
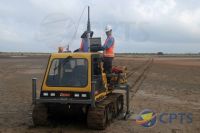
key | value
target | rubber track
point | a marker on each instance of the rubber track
(95, 116)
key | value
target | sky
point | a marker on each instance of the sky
(147, 26)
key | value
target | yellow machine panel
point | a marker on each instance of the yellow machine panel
(53, 56)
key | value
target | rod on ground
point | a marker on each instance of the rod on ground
(34, 80)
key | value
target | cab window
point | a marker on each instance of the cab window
(68, 72)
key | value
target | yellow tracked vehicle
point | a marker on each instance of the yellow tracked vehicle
(77, 81)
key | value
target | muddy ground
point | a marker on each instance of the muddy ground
(171, 85)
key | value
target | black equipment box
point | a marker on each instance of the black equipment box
(95, 44)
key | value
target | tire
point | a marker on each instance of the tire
(40, 115)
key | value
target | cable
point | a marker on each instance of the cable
(76, 30)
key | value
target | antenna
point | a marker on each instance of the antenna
(88, 28)
(88, 23)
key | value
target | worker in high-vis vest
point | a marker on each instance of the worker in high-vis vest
(108, 50)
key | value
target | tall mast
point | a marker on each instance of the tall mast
(88, 28)
(88, 22)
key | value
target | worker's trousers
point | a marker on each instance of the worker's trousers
(107, 65)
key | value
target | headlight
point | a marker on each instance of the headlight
(76, 95)
(53, 94)
(83, 95)
(45, 94)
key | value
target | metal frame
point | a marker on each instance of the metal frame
(34, 88)
(126, 88)
(63, 100)
(36, 100)
(90, 101)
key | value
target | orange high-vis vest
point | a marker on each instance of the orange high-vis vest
(110, 51)
(81, 47)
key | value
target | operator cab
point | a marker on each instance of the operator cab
(68, 72)
(73, 74)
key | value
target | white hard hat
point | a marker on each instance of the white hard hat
(108, 28)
